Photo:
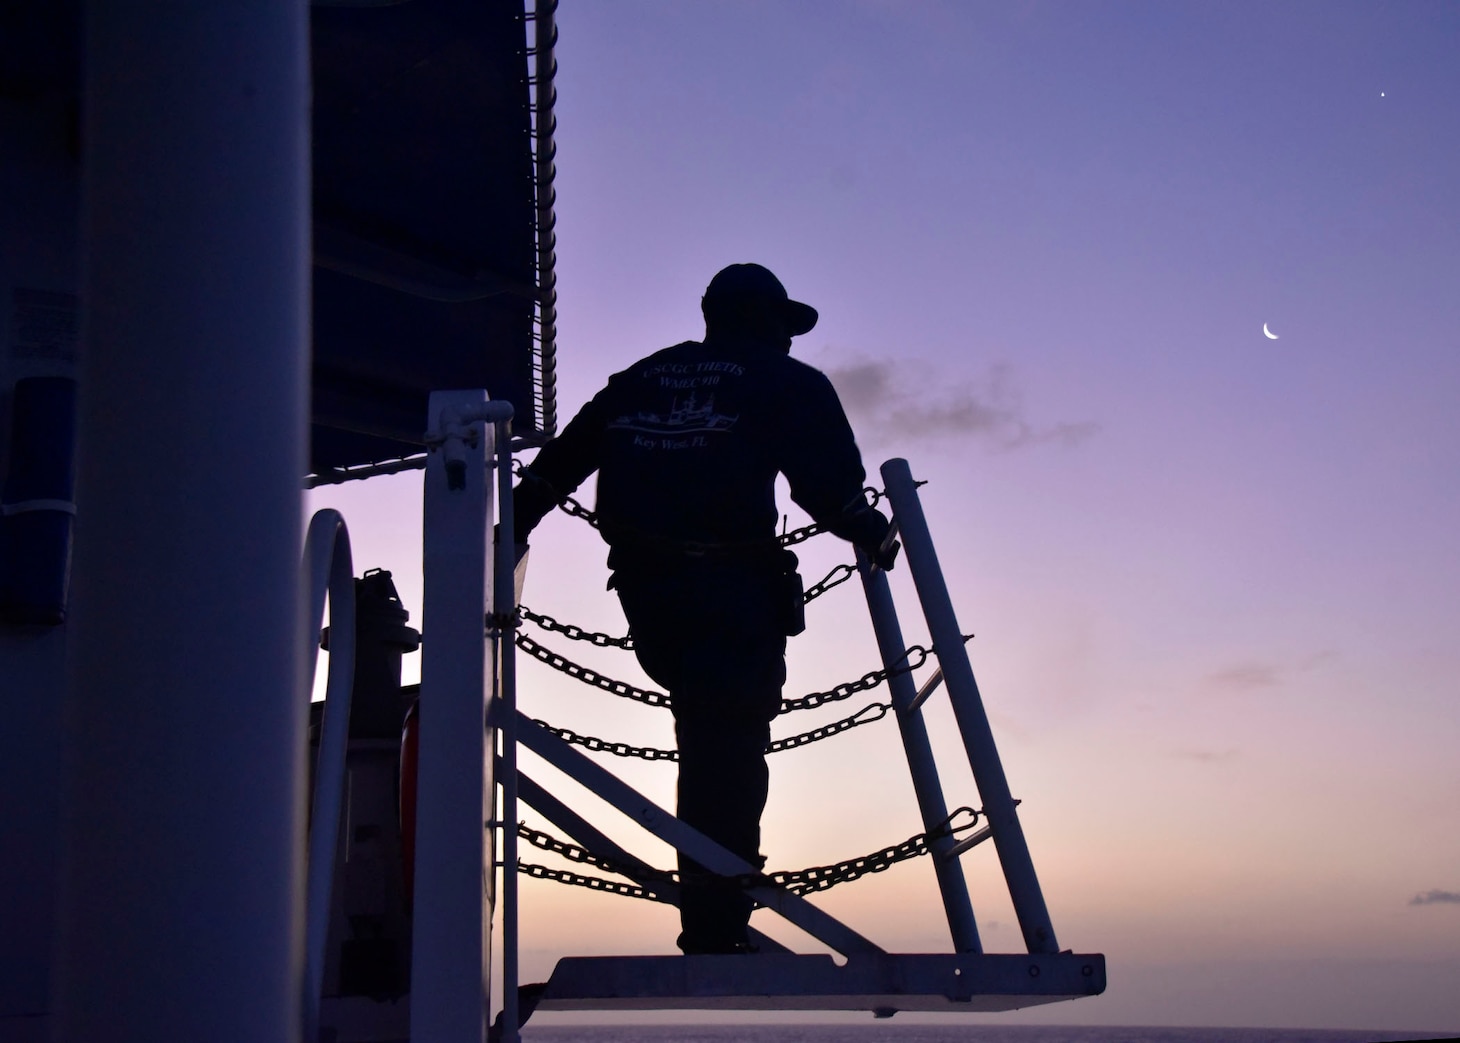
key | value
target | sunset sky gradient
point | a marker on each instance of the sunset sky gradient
(1213, 576)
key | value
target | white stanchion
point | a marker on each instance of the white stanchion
(328, 571)
(454, 892)
(968, 710)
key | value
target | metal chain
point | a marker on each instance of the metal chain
(866, 715)
(576, 633)
(574, 853)
(618, 749)
(913, 658)
(800, 881)
(877, 711)
(587, 676)
(572, 507)
(595, 883)
(821, 878)
(801, 535)
(835, 578)
(581, 855)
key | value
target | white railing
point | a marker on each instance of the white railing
(328, 570)
(468, 708)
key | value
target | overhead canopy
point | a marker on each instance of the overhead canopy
(425, 244)
(430, 272)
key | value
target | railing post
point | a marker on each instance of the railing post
(952, 886)
(451, 945)
(329, 569)
(504, 717)
(968, 710)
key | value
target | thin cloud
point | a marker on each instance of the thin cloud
(1256, 674)
(903, 399)
(1206, 756)
(1436, 898)
(1249, 676)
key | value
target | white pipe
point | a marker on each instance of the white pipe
(451, 941)
(329, 570)
(927, 787)
(183, 787)
(968, 710)
(504, 608)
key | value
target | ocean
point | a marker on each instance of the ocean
(924, 1033)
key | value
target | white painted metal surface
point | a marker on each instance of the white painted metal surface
(503, 626)
(328, 570)
(183, 787)
(926, 786)
(451, 946)
(883, 983)
(968, 710)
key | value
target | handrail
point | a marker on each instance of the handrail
(504, 612)
(328, 570)
(968, 709)
(952, 887)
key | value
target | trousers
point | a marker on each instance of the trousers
(711, 632)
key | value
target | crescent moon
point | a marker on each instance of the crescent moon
(1269, 334)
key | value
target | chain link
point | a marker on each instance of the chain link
(866, 715)
(576, 633)
(800, 881)
(587, 676)
(594, 883)
(873, 712)
(571, 506)
(822, 878)
(913, 658)
(581, 855)
(618, 749)
(801, 535)
(575, 509)
(835, 578)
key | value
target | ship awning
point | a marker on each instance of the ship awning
(425, 224)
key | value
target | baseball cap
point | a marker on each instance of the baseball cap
(750, 281)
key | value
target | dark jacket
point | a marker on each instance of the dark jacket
(687, 444)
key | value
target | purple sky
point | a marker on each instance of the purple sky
(1213, 576)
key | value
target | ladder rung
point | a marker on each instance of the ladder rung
(969, 841)
(929, 687)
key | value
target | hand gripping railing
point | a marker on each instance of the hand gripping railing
(328, 570)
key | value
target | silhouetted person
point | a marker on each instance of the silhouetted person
(687, 444)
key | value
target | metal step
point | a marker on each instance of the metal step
(883, 983)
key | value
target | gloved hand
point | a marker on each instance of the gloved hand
(868, 528)
(884, 558)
